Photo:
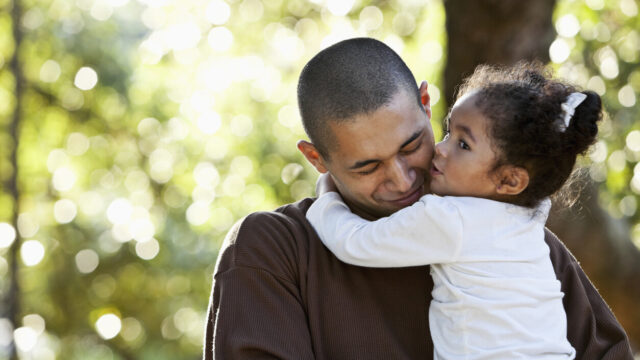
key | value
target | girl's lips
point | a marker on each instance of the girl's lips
(434, 171)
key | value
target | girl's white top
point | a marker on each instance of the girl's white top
(495, 293)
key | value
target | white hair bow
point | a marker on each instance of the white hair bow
(569, 108)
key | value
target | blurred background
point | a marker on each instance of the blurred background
(134, 133)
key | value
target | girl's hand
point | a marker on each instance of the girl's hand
(325, 184)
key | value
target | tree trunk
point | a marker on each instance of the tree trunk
(504, 32)
(13, 295)
(494, 32)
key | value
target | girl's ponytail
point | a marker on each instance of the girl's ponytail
(583, 128)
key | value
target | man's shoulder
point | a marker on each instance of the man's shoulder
(561, 257)
(280, 223)
(271, 240)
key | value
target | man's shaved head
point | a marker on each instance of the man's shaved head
(353, 77)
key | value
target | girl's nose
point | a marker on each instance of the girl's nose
(440, 148)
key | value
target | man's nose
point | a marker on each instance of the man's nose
(401, 176)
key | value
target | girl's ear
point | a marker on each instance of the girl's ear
(511, 180)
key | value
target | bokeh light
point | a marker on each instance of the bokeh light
(108, 326)
(64, 211)
(568, 26)
(50, 71)
(182, 36)
(77, 144)
(148, 250)
(595, 4)
(242, 125)
(206, 175)
(6, 332)
(633, 140)
(218, 12)
(220, 39)
(86, 78)
(627, 96)
(35, 322)
(251, 10)
(599, 152)
(607, 61)
(87, 261)
(559, 51)
(7, 235)
(597, 84)
(64, 179)
(131, 329)
(32, 252)
(340, 7)
(119, 211)
(629, 7)
(198, 213)
(25, 338)
(371, 18)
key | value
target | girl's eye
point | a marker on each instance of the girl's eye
(446, 135)
(463, 145)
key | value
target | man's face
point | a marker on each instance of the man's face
(380, 160)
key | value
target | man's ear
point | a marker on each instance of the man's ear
(312, 155)
(511, 180)
(425, 99)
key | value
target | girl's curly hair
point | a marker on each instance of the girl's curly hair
(523, 103)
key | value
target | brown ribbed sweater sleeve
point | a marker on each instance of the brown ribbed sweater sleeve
(256, 309)
(592, 328)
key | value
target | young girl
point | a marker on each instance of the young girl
(512, 141)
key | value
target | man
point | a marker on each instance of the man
(279, 293)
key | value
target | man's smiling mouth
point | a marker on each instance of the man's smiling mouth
(410, 198)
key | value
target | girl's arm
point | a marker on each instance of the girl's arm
(428, 232)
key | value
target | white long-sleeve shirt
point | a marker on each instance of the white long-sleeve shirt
(495, 293)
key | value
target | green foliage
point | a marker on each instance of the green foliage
(602, 43)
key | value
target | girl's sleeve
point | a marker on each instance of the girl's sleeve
(428, 232)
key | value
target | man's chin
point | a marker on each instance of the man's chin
(426, 189)
(383, 208)
(407, 200)
(426, 186)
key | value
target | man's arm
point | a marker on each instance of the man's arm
(256, 310)
(592, 329)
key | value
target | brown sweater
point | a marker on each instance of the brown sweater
(278, 293)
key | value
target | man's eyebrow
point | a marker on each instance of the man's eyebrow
(364, 163)
(467, 131)
(411, 139)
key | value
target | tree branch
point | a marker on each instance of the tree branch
(13, 295)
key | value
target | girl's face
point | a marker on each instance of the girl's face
(464, 159)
